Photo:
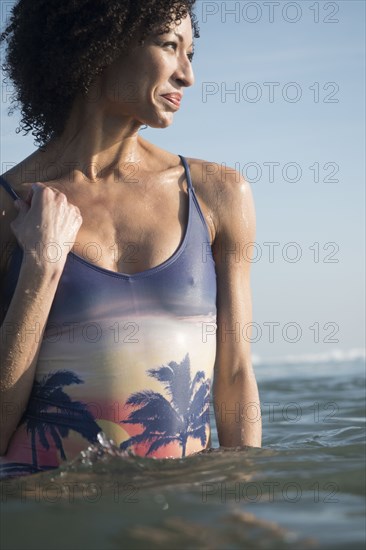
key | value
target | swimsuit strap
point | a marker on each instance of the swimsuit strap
(187, 171)
(9, 188)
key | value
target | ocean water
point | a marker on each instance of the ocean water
(304, 488)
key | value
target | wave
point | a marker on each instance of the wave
(332, 356)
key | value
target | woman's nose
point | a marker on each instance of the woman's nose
(184, 73)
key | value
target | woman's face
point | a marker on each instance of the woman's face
(134, 85)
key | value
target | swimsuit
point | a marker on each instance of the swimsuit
(129, 355)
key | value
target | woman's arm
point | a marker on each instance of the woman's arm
(50, 218)
(21, 335)
(236, 399)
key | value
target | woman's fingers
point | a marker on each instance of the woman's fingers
(22, 208)
(49, 217)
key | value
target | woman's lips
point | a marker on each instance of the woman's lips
(173, 98)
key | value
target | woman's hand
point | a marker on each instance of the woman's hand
(47, 225)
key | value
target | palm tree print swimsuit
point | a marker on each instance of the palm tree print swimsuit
(129, 355)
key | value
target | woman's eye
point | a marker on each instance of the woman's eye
(174, 44)
(171, 44)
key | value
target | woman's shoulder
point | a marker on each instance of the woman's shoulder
(8, 214)
(218, 187)
(215, 181)
(212, 174)
(207, 173)
(22, 175)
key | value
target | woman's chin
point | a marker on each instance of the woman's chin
(163, 120)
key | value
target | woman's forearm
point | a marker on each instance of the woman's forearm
(20, 340)
(237, 411)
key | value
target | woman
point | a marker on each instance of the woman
(120, 259)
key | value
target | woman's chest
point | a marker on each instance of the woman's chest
(130, 234)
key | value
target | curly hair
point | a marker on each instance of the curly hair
(55, 50)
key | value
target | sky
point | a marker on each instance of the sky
(279, 96)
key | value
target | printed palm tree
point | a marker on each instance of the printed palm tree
(70, 415)
(184, 415)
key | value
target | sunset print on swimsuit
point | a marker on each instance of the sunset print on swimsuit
(50, 416)
(184, 415)
(129, 355)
